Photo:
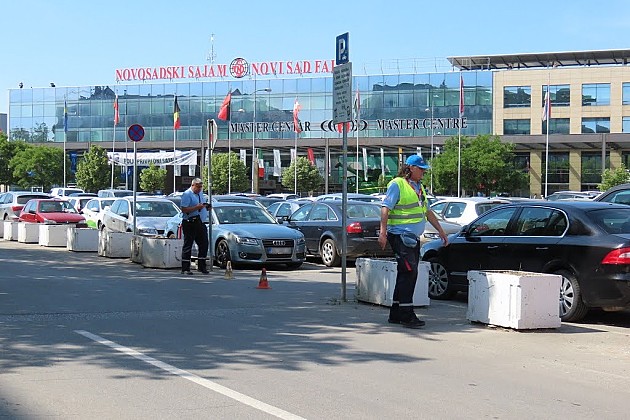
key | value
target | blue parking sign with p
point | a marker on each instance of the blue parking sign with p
(343, 51)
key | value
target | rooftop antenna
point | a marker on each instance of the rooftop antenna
(211, 55)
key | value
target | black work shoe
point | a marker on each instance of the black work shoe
(187, 272)
(393, 320)
(203, 271)
(413, 323)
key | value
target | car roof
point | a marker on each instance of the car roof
(584, 205)
(473, 200)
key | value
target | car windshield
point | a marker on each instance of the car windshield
(23, 199)
(357, 211)
(105, 203)
(612, 220)
(245, 214)
(155, 209)
(56, 207)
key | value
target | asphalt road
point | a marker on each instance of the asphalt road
(88, 337)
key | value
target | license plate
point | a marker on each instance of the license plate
(279, 250)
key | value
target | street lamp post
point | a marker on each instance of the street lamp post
(254, 138)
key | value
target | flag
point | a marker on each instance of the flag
(116, 113)
(65, 116)
(176, 121)
(547, 107)
(224, 112)
(277, 163)
(296, 121)
(311, 155)
(461, 95)
(357, 104)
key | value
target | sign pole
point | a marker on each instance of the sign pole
(136, 134)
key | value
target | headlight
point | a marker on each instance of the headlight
(431, 235)
(301, 241)
(246, 241)
(49, 222)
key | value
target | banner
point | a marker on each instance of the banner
(365, 166)
(311, 155)
(156, 158)
(177, 170)
(292, 155)
(243, 156)
(277, 163)
(382, 162)
(191, 170)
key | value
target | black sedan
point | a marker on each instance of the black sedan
(320, 222)
(588, 243)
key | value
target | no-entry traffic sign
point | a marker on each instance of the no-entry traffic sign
(135, 132)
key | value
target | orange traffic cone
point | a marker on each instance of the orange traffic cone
(229, 274)
(263, 283)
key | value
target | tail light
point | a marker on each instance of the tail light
(354, 227)
(619, 256)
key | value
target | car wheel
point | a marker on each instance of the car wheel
(294, 265)
(439, 284)
(222, 253)
(572, 308)
(328, 252)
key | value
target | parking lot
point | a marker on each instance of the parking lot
(83, 336)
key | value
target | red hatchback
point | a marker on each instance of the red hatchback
(50, 211)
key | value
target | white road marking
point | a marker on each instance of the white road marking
(237, 396)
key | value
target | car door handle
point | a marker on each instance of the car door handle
(493, 246)
(542, 248)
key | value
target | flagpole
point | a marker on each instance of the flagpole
(459, 135)
(114, 139)
(357, 163)
(547, 118)
(65, 137)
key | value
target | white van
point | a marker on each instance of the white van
(64, 192)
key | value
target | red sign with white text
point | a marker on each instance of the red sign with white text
(238, 68)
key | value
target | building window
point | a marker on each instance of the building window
(591, 170)
(556, 126)
(596, 94)
(516, 127)
(626, 125)
(558, 179)
(517, 97)
(560, 95)
(595, 125)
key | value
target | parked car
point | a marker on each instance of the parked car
(64, 192)
(320, 222)
(50, 211)
(617, 194)
(248, 234)
(586, 242)
(283, 196)
(351, 196)
(465, 210)
(94, 210)
(568, 195)
(267, 201)
(430, 233)
(12, 203)
(79, 202)
(109, 193)
(285, 208)
(152, 213)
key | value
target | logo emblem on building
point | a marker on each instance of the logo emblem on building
(239, 67)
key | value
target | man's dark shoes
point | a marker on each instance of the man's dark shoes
(393, 320)
(187, 272)
(203, 271)
(414, 323)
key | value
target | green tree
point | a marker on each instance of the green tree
(612, 177)
(40, 166)
(308, 176)
(8, 149)
(220, 173)
(93, 170)
(487, 165)
(153, 179)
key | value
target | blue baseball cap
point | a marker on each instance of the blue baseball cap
(418, 161)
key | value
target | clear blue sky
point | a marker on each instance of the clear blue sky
(78, 43)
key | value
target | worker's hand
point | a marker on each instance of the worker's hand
(382, 239)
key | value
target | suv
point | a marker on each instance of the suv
(64, 192)
(114, 193)
(12, 203)
(617, 194)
